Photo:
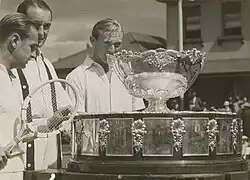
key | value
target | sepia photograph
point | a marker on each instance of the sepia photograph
(124, 89)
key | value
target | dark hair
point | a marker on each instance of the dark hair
(15, 23)
(23, 7)
(106, 25)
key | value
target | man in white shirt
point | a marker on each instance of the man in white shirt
(99, 89)
(18, 41)
(41, 153)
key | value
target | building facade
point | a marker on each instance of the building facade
(222, 29)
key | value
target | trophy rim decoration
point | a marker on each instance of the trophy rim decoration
(167, 73)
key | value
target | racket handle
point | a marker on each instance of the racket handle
(13, 150)
(14, 154)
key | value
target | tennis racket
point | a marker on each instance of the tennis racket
(39, 119)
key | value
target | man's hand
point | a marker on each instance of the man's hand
(31, 136)
(65, 111)
(3, 158)
(60, 116)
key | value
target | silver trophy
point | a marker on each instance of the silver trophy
(157, 75)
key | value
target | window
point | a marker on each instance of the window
(192, 22)
(231, 16)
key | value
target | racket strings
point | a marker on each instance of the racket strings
(44, 116)
(37, 112)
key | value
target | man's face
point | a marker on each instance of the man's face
(43, 20)
(108, 43)
(25, 49)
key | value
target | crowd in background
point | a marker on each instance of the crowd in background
(237, 104)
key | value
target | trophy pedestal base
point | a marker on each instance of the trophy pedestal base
(63, 175)
(176, 145)
(158, 167)
(155, 105)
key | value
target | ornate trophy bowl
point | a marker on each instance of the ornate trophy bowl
(157, 75)
(156, 143)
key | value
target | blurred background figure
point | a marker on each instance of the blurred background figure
(204, 106)
(246, 119)
(197, 103)
(226, 107)
(173, 104)
(245, 147)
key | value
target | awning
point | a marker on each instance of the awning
(226, 66)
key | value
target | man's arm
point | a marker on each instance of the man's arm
(77, 82)
(8, 127)
(3, 158)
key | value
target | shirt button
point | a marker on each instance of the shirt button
(24, 86)
(29, 165)
(29, 145)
